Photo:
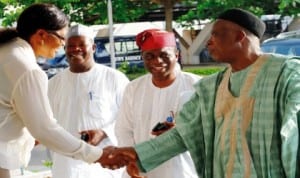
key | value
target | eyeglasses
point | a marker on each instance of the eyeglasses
(57, 35)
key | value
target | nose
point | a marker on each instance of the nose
(63, 43)
(76, 48)
(157, 59)
(209, 41)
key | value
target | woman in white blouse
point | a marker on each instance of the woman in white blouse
(25, 113)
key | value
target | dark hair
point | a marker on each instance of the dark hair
(37, 16)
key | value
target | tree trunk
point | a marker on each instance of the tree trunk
(168, 4)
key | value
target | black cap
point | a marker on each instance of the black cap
(245, 19)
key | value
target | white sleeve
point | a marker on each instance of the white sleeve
(121, 82)
(32, 105)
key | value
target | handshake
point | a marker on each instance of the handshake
(117, 157)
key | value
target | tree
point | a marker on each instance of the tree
(209, 9)
(95, 12)
(81, 11)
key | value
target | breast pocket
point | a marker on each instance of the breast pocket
(97, 106)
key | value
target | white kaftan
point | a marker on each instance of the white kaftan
(83, 101)
(143, 106)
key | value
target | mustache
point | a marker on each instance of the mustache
(72, 56)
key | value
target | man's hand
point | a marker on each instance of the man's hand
(114, 158)
(36, 142)
(93, 137)
(133, 170)
(161, 128)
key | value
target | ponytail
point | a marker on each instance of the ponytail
(7, 34)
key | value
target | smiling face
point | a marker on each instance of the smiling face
(79, 52)
(161, 62)
(46, 43)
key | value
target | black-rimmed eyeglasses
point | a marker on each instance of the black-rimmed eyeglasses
(57, 35)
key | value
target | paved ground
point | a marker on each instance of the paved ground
(39, 155)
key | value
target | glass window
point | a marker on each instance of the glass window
(295, 51)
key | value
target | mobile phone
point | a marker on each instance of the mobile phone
(84, 137)
(159, 127)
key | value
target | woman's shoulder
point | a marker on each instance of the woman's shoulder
(18, 55)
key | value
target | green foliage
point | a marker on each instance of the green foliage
(95, 12)
(209, 9)
(199, 70)
(82, 11)
(47, 163)
(124, 67)
(10, 12)
(287, 7)
(131, 72)
(203, 71)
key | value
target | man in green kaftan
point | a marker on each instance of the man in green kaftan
(242, 122)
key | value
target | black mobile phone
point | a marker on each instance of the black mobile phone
(159, 127)
(85, 137)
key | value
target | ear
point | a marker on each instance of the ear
(94, 47)
(177, 54)
(241, 35)
(41, 33)
(38, 37)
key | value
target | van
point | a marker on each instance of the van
(287, 43)
(125, 50)
(285, 46)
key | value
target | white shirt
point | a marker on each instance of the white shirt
(24, 106)
(84, 101)
(143, 106)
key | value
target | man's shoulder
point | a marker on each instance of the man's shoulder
(210, 82)
(140, 82)
(284, 62)
(110, 71)
(59, 76)
(141, 79)
(102, 68)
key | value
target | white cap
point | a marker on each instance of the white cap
(80, 30)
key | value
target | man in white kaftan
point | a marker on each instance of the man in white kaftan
(146, 103)
(85, 100)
